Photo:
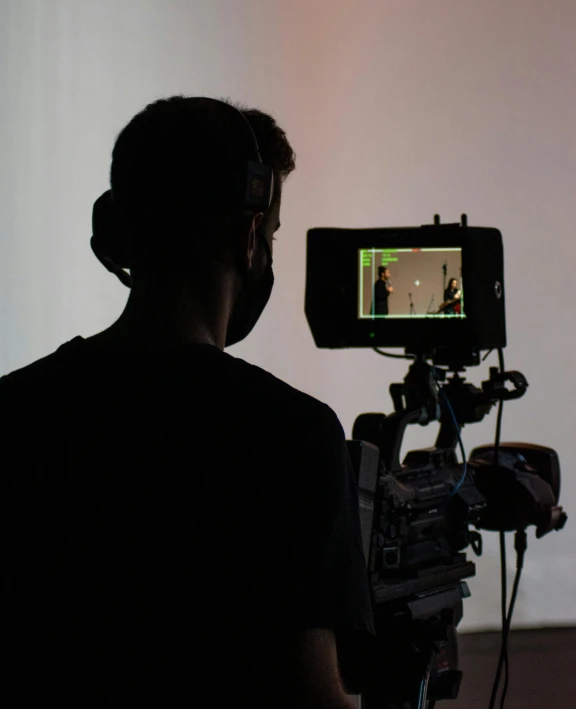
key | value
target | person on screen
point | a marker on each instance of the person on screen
(382, 290)
(452, 298)
(181, 526)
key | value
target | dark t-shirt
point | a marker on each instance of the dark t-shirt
(381, 291)
(381, 295)
(165, 513)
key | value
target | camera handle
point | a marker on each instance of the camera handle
(416, 400)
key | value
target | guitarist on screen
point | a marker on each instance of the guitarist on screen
(452, 297)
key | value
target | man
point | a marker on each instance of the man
(183, 527)
(382, 291)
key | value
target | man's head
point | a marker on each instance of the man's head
(178, 179)
(453, 284)
(178, 176)
(384, 273)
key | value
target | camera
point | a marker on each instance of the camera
(437, 291)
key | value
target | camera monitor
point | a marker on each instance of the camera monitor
(427, 289)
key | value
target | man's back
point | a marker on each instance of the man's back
(168, 514)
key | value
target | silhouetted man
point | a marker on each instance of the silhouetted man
(182, 527)
(382, 290)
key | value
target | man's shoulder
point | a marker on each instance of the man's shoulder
(261, 389)
(266, 386)
(32, 375)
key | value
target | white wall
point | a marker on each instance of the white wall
(397, 109)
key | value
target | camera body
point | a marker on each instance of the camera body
(413, 531)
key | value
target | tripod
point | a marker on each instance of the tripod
(418, 664)
(412, 309)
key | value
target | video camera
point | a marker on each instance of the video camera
(438, 291)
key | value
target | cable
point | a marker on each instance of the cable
(506, 677)
(504, 596)
(520, 544)
(500, 410)
(458, 434)
(423, 701)
(395, 356)
(503, 658)
(501, 534)
(503, 565)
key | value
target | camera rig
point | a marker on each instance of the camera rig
(416, 519)
(419, 516)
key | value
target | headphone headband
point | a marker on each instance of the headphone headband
(259, 178)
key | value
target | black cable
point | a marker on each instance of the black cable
(395, 356)
(520, 544)
(506, 677)
(504, 594)
(500, 410)
(503, 541)
(503, 658)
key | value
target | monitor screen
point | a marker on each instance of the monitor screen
(400, 283)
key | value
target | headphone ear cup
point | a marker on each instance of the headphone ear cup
(107, 243)
(259, 186)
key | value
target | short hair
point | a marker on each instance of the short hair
(382, 269)
(183, 155)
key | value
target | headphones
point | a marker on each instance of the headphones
(257, 182)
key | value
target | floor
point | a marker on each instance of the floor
(542, 669)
